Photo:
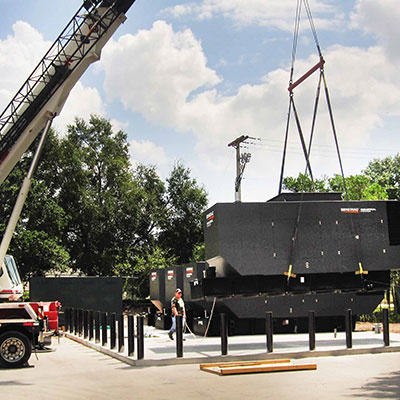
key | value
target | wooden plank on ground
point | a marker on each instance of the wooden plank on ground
(235, 363)
(251, 367)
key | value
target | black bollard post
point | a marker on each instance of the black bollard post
(140, 337)
(85, 324)
(90, 325)
(70, 316)
(97, 327)
(224, 335)
(76, 314)
(131, 335)
(121, 333)
(67, 320)
(311, 329)
(179, 336)
(269, 328)
(77, 322)
(71, 327)
(386, 339)
(103, 329)
(113, 333)
(349, 329)
(80, 319)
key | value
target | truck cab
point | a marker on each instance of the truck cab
(23, 326)
(11, 287)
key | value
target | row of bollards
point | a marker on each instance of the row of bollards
(95, 324)
(312, 329)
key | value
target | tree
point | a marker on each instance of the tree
(138, 272)
(90, 212)
(303, 184)
(181, 230)
(386, 173)
(104, 202)
(359, 187)
(36, 243)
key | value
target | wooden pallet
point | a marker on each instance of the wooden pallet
(251, 367)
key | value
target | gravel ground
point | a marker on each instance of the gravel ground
(370, 326)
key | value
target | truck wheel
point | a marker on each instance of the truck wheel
(15, 349)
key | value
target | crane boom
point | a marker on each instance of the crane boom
(45, 92)
(30, 112)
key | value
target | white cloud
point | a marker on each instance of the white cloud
(272, 13)
(164, 75)
(82, 102)
(20, 52)
(119, 125)
(380, 18)
(148, 153)
(154, 72)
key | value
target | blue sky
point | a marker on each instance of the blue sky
(184, 78)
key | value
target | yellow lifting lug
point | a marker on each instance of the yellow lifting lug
(361, 271)
(289, 273)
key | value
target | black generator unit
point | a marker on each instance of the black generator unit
(295, 253)
(157, 288)
(339, 246)
(173, 281)
(164, 282)
(90, 293)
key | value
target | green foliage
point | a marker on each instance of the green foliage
(36, 245)
(386, 173)
(37, 253)
(137, 282)
(377, 317)
(199, 253)
(359, 187)
(304, 184)
(182, 227)
(98, 191)
(90, 212)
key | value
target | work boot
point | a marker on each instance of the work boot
(170, 335)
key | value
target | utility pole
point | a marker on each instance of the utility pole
(241, 161)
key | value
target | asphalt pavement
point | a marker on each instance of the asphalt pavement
(73, 371)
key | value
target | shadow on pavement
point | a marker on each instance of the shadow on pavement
(14, 383)
(384, 387)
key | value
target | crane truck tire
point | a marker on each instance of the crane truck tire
(15, 349)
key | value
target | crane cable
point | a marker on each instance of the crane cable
(289, 273)
(307, 152)
(322, 79)
(353, 228)
(294, 50)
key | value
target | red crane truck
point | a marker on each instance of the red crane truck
(24, 325)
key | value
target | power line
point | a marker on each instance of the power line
(347, 148)
(316, 153)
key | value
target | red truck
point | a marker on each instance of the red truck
(41, 98)
(23, 326)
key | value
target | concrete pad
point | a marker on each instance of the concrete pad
(160, 350)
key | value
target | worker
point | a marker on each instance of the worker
(177, 308)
